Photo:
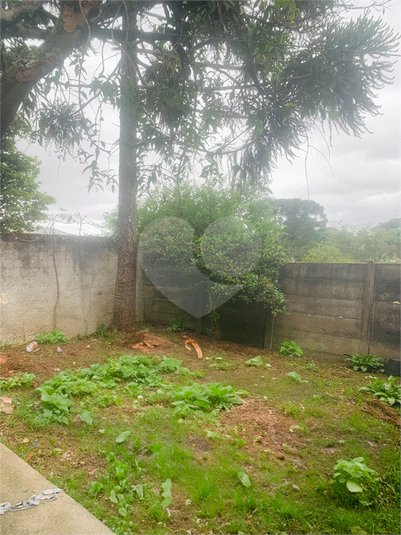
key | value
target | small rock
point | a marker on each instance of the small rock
(25, 441)
(6, 405)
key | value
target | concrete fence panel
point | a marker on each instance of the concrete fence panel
(48, 282)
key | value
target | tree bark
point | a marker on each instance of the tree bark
(125, 293)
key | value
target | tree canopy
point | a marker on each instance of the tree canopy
(22, 205)
(303, 221)
(232, 240)
(267, 70)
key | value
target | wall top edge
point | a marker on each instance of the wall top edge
(32, 238)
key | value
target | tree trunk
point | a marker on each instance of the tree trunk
(125, 293)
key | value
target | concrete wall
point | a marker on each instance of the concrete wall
(334, 309)
(48, 282)
(342, 308)
(67, 282)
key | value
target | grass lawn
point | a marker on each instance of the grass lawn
(154, 440)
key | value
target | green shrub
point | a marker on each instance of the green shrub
(176, 326)
(387, 391)
(290, 349)
(205, 398)
(365, 362)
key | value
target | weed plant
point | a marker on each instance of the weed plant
(365, 363)
(354, 480)
(70, 393)
(54, 337)
(386, 390)
(23, 380)
(291, 349)
(176, 326)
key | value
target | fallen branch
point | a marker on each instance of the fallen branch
(194, 344)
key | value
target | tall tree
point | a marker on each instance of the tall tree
(304, 222)
(213, 83)
(22, 205)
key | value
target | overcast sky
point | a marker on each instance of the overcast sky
(361, 184)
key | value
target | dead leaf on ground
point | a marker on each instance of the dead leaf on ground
(2, 361)
(328, 451)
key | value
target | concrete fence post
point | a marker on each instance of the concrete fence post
(269, 331)
(367, 308)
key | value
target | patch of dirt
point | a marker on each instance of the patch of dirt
(148, 341)
(46, 361)
(199, 444)
(382, 411)
(262, 428)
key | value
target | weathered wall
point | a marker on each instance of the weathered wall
(67, 282)
(342, 308)
(334, 309)
(48, 282)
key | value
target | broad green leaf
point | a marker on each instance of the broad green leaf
(353, 487)
(244, 478)
(166, 486)
(212, 434)
(113, 497)
(139, 490)
(86, 417)
(256, 361)
(122, 437)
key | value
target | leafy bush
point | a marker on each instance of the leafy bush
(54, 337)
(353, 480)
(18, 381)
(56, 401)
(387, 391)
(205, 398)
(176, 326)
(365, 362)
(291, 349)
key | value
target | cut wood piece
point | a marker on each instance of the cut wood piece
(194, 344)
